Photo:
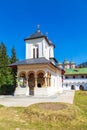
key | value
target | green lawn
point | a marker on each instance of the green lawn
(47, 116)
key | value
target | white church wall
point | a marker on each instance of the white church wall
(30, 45)
(28, 50)
(40, 47)
(67, 83)
(46, 49)
(85, 86)
(56, 81)
(51, 51)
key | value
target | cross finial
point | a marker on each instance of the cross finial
(47, 33)
(38, 26)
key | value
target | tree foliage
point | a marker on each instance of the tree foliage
(7, 75)
(13, 70)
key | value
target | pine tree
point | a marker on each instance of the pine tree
(5, 71)
(13, 70)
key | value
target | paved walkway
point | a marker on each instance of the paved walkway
(66, 96)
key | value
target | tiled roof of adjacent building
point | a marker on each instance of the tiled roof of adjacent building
(76, 71)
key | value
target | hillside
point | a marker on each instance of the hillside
(83, 64)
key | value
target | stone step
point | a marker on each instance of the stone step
(21, 91)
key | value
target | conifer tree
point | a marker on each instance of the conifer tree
(13, 70)
(5, 72)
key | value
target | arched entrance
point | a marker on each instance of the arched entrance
(40, 80)
(22, 79)
(72, 87)
(31, 83)
(81, 87)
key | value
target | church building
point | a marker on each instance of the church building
(38, 74)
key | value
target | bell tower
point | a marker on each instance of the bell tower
(38, 45)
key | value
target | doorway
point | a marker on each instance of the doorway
(72, 87)
(81, 87)
(40, 80)
(31, 83)
(39, 85)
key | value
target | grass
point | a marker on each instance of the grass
(47, 116)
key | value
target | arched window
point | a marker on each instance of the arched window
(73, 77)
(81, 87)
(35, 52)
(82, 76)
(73, 87)
(22, 80)
(66, 85)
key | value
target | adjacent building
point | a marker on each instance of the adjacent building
(75, 78)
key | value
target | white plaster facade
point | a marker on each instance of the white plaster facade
(44, 49)
(70, 83)
(74, 78)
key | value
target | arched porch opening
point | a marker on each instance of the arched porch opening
(72, 87)
(81, 87)
(31, 83)
(22, 79)
(40, 80)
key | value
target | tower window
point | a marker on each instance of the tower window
(33, 52)
(37, 52)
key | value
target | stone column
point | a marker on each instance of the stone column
(18, 84)
(27, 82)
(49, 82)
(35, 81)
(45, 82)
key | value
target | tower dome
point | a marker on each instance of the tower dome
(72, 64)
(66, 62)
(60, 65)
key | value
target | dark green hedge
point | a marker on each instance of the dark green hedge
(7, 90)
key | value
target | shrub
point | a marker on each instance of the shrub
(6, 90)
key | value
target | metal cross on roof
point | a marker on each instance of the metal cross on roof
(47, 34)
(38, 26)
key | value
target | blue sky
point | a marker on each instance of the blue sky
(64, 20)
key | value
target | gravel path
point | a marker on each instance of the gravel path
(66, 96)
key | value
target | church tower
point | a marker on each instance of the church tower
(38, 45)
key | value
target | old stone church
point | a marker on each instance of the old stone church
(38, 74)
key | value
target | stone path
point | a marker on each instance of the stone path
(66, 96)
